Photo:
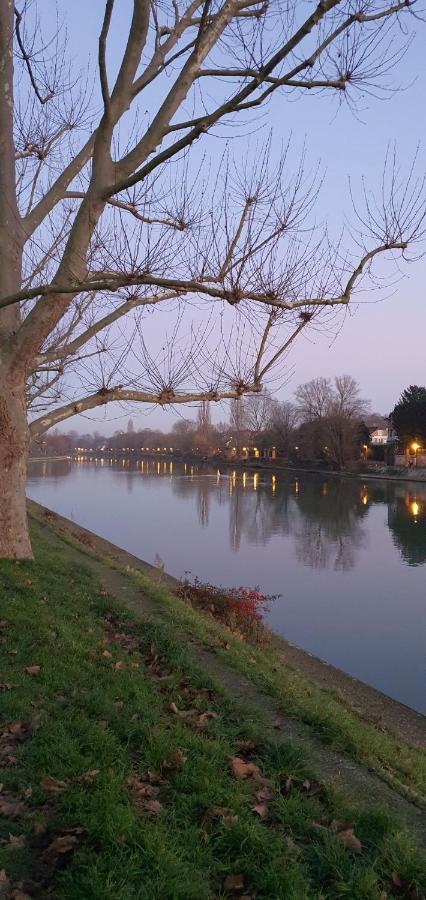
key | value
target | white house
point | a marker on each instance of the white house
(379, 436)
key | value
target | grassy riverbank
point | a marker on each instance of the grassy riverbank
(129, 770)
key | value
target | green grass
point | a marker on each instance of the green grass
(90, 715)
(401, 765)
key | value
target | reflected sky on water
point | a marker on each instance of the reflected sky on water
(348, 558)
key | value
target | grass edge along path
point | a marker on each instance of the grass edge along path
(336, 723)
(119, 773)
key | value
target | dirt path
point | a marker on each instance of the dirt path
(333, 768)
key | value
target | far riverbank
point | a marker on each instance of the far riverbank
(383, 473)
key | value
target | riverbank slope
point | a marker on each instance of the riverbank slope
(147, 753)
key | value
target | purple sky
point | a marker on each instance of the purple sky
(382, 343)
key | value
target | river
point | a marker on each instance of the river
(347, 558)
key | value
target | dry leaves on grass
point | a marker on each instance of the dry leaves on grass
(234, 885)
(64, 843)
(310, 787)
(344, 832)
(403, 888)
(174, 761)
(246, 746)
(13, 734)
(145, 790)
(32, 670)
(261, 808)
(87, 777)
(242, 769)
(199, 720)
(224, 813)
(53, 785)
(16, 840)
(8, 891)
(12, 807)
(346, 835)
(56, 786)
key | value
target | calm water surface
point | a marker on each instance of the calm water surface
(348, 559)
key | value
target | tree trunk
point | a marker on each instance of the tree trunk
(14, 440)
(14, 538)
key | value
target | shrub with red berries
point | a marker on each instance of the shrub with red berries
(239, 609)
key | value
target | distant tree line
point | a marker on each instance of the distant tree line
(327, 422)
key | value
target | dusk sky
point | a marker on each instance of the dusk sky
(380, 343)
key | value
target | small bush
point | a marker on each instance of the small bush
(239, 609)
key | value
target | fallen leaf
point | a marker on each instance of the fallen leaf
(6, 686)
(107, 654)
(243, 769)
(261, 810)
(31, 670)
(120, 664)
(216, 811)
(152, 807)
(204, 718)
(245, 745)
(17, 840)
(175, 760)
(346, 835)
(19, 731)
(53, 785)
(12, 807)
(102, 723)
(265, 793)
(233, 883)
(350, 840)
(65, 843)
(88, 777)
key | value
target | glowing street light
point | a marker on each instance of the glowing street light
(415, 447)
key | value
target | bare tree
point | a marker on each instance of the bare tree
(313, 399)
(258, 409)
(343, 422)
(105, 221)
(238, 422)
(282, 423)
(205, 428)
(332, 412)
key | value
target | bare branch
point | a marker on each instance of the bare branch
(108, 395)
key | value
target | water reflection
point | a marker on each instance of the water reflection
(324, 518)
(407, 522)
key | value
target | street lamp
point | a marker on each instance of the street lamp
(415, 446)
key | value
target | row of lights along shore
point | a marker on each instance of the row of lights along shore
(412, 503)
